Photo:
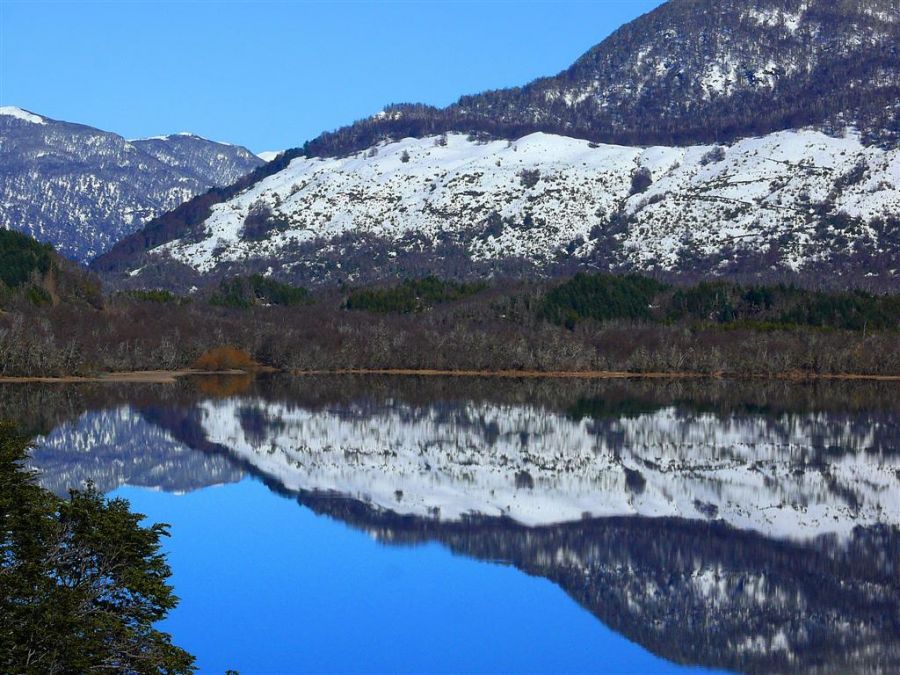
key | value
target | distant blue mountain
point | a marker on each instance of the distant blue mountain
(83, 189)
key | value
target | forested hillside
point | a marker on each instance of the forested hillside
(691, 71)
(32, 274)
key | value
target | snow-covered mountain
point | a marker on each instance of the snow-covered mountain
(82, 189)
(794, 201)
(750, 138)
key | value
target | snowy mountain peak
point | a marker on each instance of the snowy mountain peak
(181, 135)
(20, 114)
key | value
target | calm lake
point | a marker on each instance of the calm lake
(447, 525)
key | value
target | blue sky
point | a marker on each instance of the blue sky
(272, 74)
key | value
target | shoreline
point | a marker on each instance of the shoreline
(508, 374)
(172, 376)
(125, 377)
(598, 374)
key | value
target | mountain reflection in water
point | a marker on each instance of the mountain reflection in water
(743, 526)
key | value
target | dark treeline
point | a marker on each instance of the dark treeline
(412, 295)
(588, 323)
(21, 257)
(244, 292)
(763, 307)
(34, 272)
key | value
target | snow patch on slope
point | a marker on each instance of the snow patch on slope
(180, 134)
(790, 21)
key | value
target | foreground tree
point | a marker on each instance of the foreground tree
(82, 582)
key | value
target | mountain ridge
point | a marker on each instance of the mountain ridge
(82, 189)
(745, 68)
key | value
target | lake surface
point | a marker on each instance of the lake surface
(350, 524)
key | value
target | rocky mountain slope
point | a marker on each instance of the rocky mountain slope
(82, 189)
(761, 142)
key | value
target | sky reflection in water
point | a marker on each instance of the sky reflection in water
(268, 586)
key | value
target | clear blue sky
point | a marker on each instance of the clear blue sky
(272, 74)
